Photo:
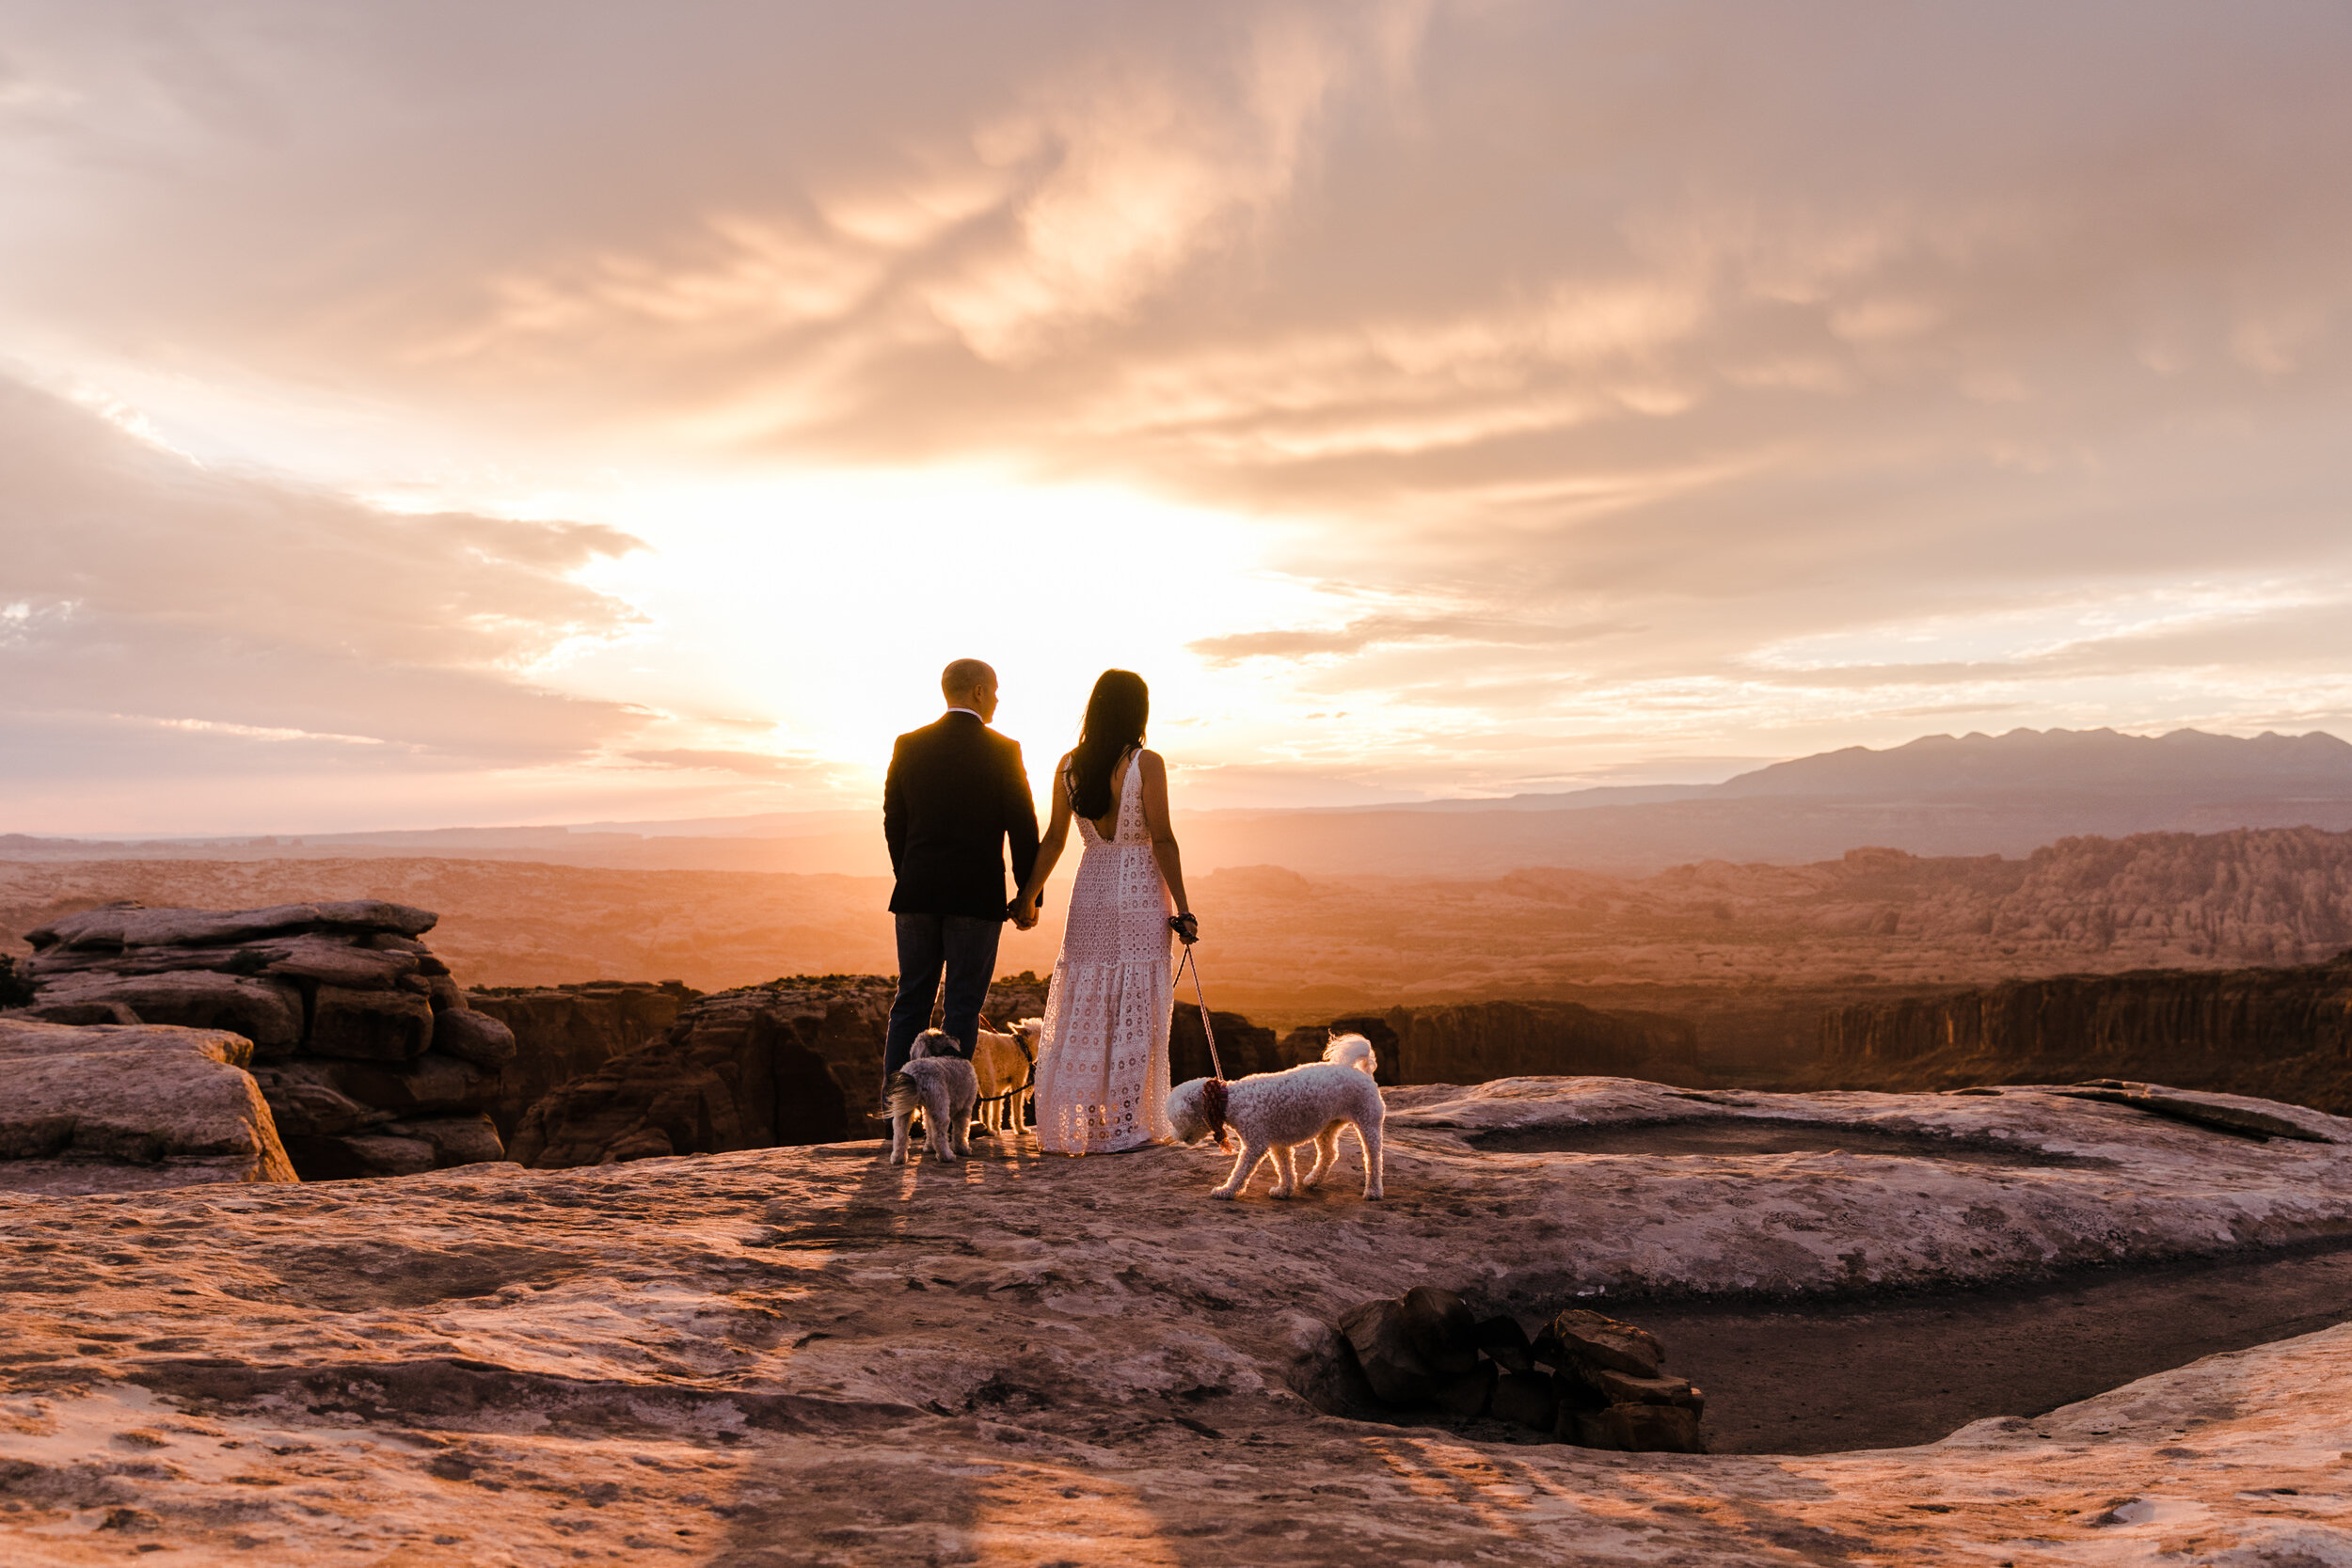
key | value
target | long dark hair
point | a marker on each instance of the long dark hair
(1115, 719)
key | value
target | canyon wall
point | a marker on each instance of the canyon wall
(795, 1061)
(2278, 1034)
(561, 1032)
(1473, 1042)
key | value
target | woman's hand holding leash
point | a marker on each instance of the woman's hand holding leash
(1187, 927)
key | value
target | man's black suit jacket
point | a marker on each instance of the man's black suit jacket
(955, 794)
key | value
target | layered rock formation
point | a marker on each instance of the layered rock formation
(561, 1032)
(804, 1355)
(113, 1108)
(1472, 1042)
(2280, 1034)
(371, 1059)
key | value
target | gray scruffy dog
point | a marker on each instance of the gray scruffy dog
(938, 1079)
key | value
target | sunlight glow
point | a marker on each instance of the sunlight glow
(825, 605)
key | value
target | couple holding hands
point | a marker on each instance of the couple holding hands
(955, 796)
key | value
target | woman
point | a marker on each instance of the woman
(1102, 1069)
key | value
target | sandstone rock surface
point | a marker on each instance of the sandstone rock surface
(104, 1108)
(804, 1355)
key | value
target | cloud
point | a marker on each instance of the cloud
(1389, 631)
(1645, 339)
(755, 763)
(168, 606)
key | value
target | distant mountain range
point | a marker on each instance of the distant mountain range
(1942, 794)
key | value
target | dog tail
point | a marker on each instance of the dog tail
(1352, 1050)
(900, 1095)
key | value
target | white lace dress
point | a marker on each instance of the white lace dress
(1102, 1069)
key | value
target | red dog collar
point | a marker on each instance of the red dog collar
(1213, 1106)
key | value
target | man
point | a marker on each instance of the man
(955, 794)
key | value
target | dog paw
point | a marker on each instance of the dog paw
(1371, 1194)
(1225, 1193)
(1280, 1192)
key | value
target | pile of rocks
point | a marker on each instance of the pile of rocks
(1585, 1379)
(371, 1060)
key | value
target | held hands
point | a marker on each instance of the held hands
(1187, 927)
(1023, 912)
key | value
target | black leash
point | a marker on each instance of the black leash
(1217, 1067)
(1028, 1053)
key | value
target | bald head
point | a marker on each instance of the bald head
(969, 683)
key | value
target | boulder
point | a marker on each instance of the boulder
(1505, 1343)
(1323, 1369)
(103, 1109)
(370, 1026)
(1624, 1389)
(1384, 1349)
(267, 1013)
(1467, 1394)
(1524, 1399)
(1639, 1428)
(131, 924)
(334, 961)
(472, 1037)
(1596, 1339)
(1443, 1332)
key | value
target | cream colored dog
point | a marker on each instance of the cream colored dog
(1006, 1066)
(1275, 1112)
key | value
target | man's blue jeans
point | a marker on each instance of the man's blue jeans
(965, 947)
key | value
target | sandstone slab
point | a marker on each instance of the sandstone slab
(472, 1037)
(804, 1355)
(131, 924)
(265, 1012)
(104, 1109)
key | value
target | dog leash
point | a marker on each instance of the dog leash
(1215, 1067)
(1213, 1093)
(1028, 1053)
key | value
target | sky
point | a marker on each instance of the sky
(555, 410)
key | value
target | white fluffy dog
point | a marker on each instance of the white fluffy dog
(1273, 1111)
(942, 1083)
(1007, 1066)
